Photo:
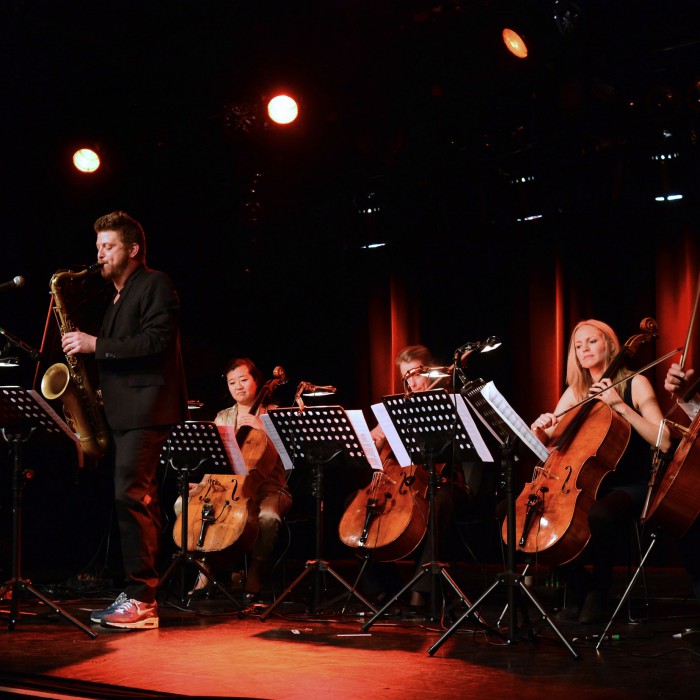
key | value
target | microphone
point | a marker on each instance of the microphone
(17, 281)
(34, 354)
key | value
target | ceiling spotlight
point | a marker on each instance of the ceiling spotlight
(514, 42)
(86, 160)
(283, 109)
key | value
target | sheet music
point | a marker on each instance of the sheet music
(473, 432)
(514, 421)
(228, 437)
(392, 435)
(277, 441)
(357, 418)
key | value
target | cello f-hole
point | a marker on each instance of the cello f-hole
(566, 481)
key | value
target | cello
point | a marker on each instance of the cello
(675, 504)
(389, 518)
(257, 449)
(551, 513)
(222, 519)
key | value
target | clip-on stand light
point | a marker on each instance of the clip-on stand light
(22, 412)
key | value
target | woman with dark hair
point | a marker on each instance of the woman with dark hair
(245, 381)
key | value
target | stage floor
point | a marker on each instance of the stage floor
(214, 648)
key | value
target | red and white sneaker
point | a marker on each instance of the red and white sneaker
(132, 614)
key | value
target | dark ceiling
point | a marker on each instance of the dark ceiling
(414, 106)
(397, 97)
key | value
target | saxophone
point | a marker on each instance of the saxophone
(70, 382)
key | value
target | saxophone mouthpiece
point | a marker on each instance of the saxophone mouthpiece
(94, 267)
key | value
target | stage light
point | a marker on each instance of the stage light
(86, 160)
(544, 29)
(515, 43)
(283, 109)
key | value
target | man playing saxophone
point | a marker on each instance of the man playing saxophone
(144, 394)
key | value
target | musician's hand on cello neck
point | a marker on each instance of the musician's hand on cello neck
(601, 391)
(250, 420)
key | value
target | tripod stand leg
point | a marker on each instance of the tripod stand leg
(357, 581)
(323, 566)
(310, 565)
(424, 570)
(465, 615)
(499, 622)
(524, 589)
(317, 566)
(627, 590)
(189, 559)
(18, 585)
(431, 568)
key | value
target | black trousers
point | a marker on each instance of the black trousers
(137, 453)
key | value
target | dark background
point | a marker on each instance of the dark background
(412, 107)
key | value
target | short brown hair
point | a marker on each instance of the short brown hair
(130, 231)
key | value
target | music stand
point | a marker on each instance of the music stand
(190, 445)
(22, 413)
(502, 417)
(427, 424)
(317, 434)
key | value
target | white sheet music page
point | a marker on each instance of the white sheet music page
(277, 441)
(391, 434)
(357, 418)
(514, 421)
(228, 437)
(473, 432)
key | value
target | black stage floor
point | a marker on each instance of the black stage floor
(213, 648)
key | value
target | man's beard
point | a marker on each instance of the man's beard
(115, 269)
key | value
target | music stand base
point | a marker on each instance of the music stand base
(317, 566)
(17, 586)
(183, 558)
(434, 569)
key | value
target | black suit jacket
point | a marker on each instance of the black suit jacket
(138, 354)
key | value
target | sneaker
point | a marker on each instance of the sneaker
(97, 615)
(132, 614)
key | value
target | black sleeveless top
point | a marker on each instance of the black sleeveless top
(635, 464)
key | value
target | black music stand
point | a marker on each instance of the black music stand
(317, 434)
(516, 587)
(22, 413)
(428, 423)
(190, 445)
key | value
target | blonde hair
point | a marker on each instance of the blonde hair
(578, 378)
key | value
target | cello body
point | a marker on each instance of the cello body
(388, 518)
(675, 504)
(222, 519)
(551, 513)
